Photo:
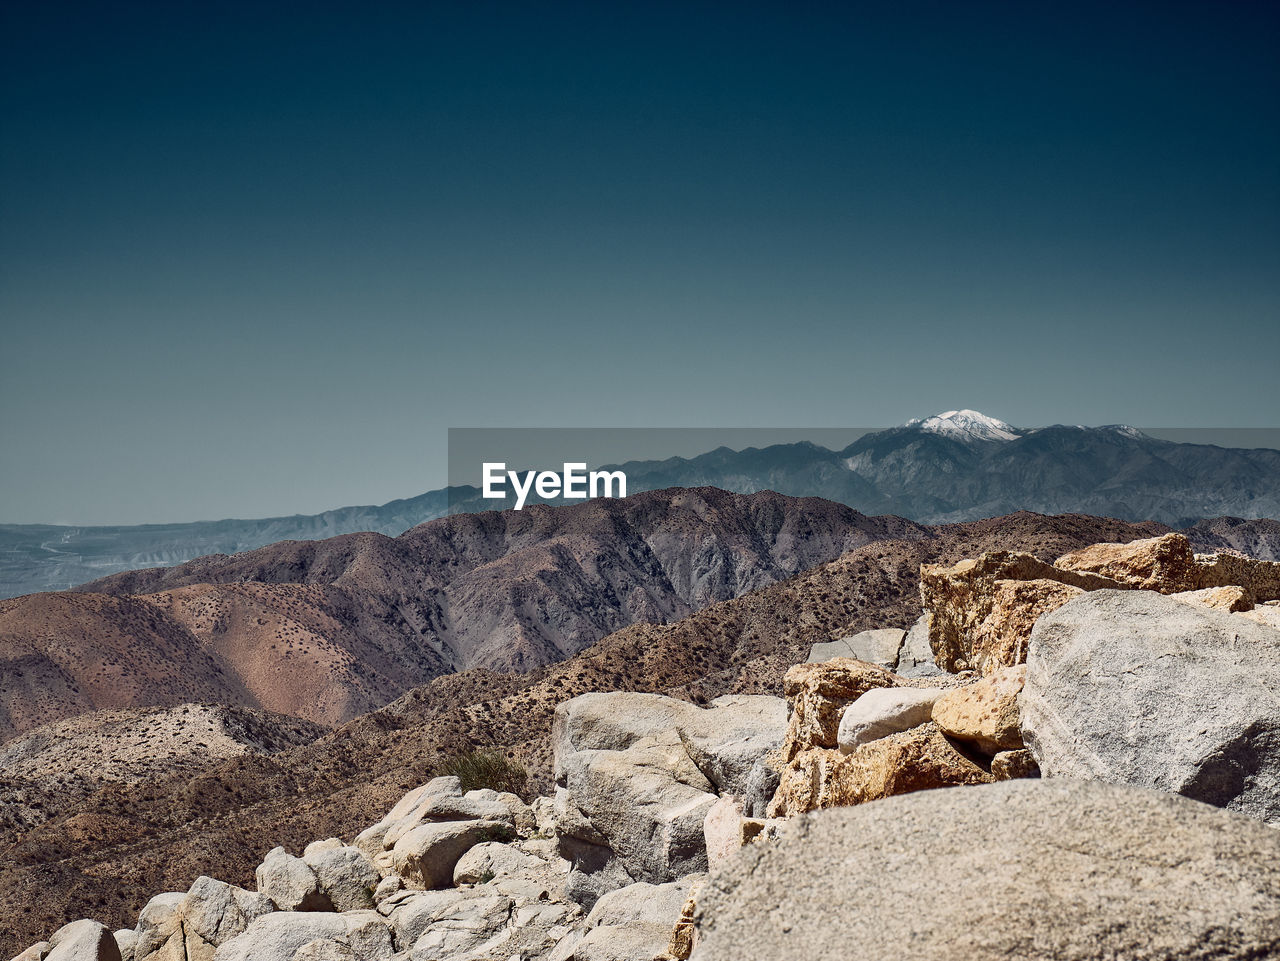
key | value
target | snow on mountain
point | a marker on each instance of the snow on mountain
(966, 424)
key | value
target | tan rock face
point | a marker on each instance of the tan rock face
(1233, 598)
(985, 713)
(914, 760)
(1260, 578)
(1008, 765)
(819, 694)
(984, 608)
(1165, 564)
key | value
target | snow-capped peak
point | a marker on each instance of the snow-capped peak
(967, 423)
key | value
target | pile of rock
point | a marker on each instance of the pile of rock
(983, 609)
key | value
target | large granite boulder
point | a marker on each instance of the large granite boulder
(281, 936)
(634, 923)
(83, 941)
(1135, 687)
(637, 773)
(213, 912)
(290, 883)
(879, 646)
(1073, 871)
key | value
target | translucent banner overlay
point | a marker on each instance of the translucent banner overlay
(798, 461)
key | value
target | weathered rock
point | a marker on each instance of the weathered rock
(428, 854)
(1263, 614)
(915, 658)
(468, 930)
(83, 941)
(213, 912)
(913, 760)
(290, 883)
(631, 924)
(35, 952)
(727, 830)
(1165, 564)
(387, 887)
(1135, 687)
(345, 874)
(982, 609)
(878, 647)
(1230, 598)
(636, 774)
(159, 929)
(1008, 765)
(491, 859)
(126, 941)
(984, 713)
(646, 803)
(410, 913)
(883, 711)
(1022, 869)
(819, 693)
(279, 936)
(1260, 578)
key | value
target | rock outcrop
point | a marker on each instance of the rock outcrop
(1057, 869)
(636, 775)
(1138, 688)
(914, 760)
(1165, 564)
(982, 609)
(881, 647)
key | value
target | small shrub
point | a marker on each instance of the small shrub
(481, 769)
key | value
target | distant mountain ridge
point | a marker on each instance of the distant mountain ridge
(959, 465)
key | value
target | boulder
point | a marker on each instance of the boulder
(883, 711)
(280, 935)
(213, 912)
(913, 760)
(875, 647)
(126, 941)
(1231, 598)
(428, 854)
(410, 913)
(290, 883)
(727, 830)
(83, 941)
(1135, 687)
(818, 695)
(159, 935)
(1074, 871)
(35, 952)
(645, 805)
(982, 609)
(984, 713)
(636, 774)
(469, 929)
(1165, 564)
(915, 659)
(492, 859)
(634, 923)
(1260, 578)
(345, 874)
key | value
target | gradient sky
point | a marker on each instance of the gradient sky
(256, 258)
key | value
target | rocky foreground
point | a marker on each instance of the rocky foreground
(1078, 759)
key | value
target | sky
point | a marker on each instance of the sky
(256, 259)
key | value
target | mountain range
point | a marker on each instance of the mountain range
(955, 466)
(328, 630)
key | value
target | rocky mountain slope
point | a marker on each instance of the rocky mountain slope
(98, 857)
(328, 630)
(685, 833)
(52, 767)
(958, 465)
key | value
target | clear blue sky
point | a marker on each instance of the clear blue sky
(256, 258)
